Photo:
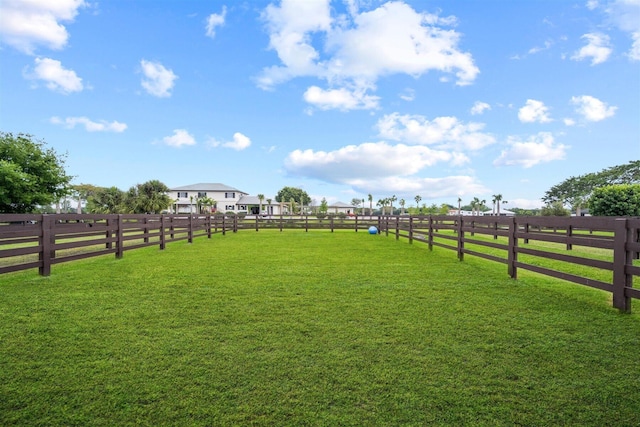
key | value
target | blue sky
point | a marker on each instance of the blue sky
(442, 99)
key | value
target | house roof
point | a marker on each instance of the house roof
(341, 205)
(215, 186)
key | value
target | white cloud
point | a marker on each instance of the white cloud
(534, 111)
(239, 142)
(592, 109)
(158, 80)
(27, 24)
(634, 52)
(408, 95)
(442, 132)
(625, 15)
(597, 48)
(479, 108)
(179, 138)
(360, 48)
(430, 188)
(341, 99)
(525, 204)
(215, 20)
(537, 149)
(57, 77)
(569, 122)
(365, 161)
(90, 125)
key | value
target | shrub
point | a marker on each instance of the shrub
(616, 200)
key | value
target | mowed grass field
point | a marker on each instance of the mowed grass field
(293, 328)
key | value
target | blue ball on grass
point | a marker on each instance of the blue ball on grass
(373, 230)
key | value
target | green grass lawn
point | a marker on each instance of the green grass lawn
(319, 328)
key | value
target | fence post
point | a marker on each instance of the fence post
(257, 221)
(397, 228)
(281, 216)
(461, 238)
(190, 232)
(235, 223)
(430, 236)
(569, 234)
(146, 229)
(209, 225)
(356, 223)
(621, 258)
(331, 223)
(306, 223)
(119, 238)
(386, 226)
(46, 245)
(410, 230)
(512, 256)
(224, 225)
(162, 237)
(108, 234)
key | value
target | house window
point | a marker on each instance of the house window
(229, 195)
(242, 207)
(229, 208)
(202, 194)
(183, 194)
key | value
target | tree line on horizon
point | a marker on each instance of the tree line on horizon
(33, 179)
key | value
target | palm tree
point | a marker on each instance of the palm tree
(391, 200)
(362, 207)
(261, 198)
(269, 206)
(417, 199)
(493, 200)
(402, 202)
(474, 205)
(459, 206)
(370, 198)
(498, 199)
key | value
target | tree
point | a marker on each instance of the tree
(30, 174)
(370, 198)
(417, 199)
(577, 190)
(106, 201)
(287, 194)
(261, 198)
(402, 203)
(554, 209)
(205, 202)
(324, 206)
(150, 197)
(82, 193)
(355, 202)
(269, 206)
(616, 200)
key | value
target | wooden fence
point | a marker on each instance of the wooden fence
(599, 252)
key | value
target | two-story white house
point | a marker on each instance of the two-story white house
(224, 198)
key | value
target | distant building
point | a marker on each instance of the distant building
(340, 207)
(225, 198)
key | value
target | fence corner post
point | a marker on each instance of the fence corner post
(621, 258)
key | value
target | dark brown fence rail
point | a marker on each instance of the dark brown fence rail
(593, 251)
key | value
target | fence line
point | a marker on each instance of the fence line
(612, 244)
